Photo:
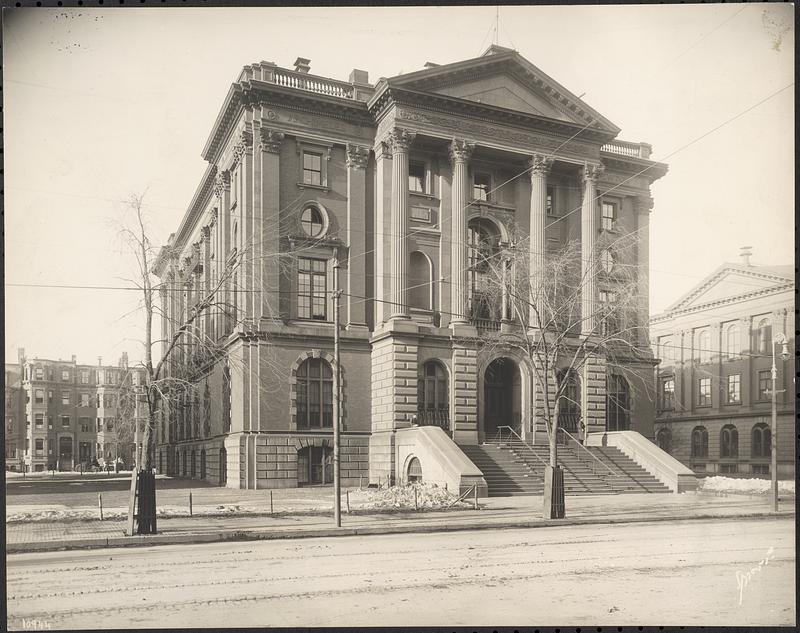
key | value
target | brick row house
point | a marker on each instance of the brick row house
(387, 187)
(68, 415)
(714, 378)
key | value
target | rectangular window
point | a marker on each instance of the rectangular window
(39, 445)
(727, 468)
(609, 324)
(85, 424)
(759, 469)
(109, 401)
(416, 176)
(312, 168)
(49, 421)
(39, 396)
(704, 392)
(764, 385)
(667, 394)
(312, 289)
(84, 399)
(84, 377)
(65, 421)
(65, 397)
(39, 373)
(422, 214)
(608, 215)
(110, 424)
(10, 425)
(49, 447)
(550, 201)
(39, 420)
(99, 424)
(64, 375)
(111, 377)
(481, 186)
(734, 389)
(49, 396)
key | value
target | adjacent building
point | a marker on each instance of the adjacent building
(714, 381)
(61, 415)
(384, 191)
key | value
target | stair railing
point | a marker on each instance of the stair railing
(510, 433)
(586, 451)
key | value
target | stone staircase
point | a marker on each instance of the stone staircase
(515, 468)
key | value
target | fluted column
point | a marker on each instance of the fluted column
(539, 165)
(268, 231)
(591, 174)
(400, 141)
(460, 152)
(222, 189)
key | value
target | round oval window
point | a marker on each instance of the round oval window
(312, 221)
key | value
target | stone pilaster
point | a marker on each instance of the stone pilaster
(679, 369)
(205, 254)
(383, 206)
(593, 394)
(464, 416)
(746, 328)
(394, 397)
(539, 166)
(460, 152)
(268, 262)
(591, 174)
(400, 141)
(539, 402)
(251, 182)
(222, 189)
(357, 157)
(719, 387)
(643, 205)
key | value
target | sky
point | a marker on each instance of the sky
(100, 104)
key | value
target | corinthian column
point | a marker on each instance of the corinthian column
(539, 165)
(591, 174)
(460, 151)
(400, 141)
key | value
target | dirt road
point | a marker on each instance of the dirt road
(683, 572)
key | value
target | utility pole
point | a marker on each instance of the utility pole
(780, 339)
(337, 484)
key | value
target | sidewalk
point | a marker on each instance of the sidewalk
(496, 513)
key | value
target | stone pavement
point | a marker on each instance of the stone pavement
(503, 512)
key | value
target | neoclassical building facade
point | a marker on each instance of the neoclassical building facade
(714, 378)
(384, 192)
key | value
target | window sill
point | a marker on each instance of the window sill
(494, 206)
(306, 185)
(423, 195)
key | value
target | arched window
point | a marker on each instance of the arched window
(420, 276)
(484, 241)
(617, 403)
(699, 442)
(312, 221)
(667, 351)
(764, 336)
(203, 464)
(433, 398)
(223, 466)
(761, 438)
(704, 346)
(569, 409)
(664, 440)
(414, 472)
(732, 341)
(729, 441)
(314, 394)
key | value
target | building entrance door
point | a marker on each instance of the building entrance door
(501, 397)
(65, 453)
(314, 466)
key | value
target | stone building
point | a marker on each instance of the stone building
(386, 187)
(714, 380)
(71, 414)
(14, 417)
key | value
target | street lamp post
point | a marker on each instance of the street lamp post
(779, 339)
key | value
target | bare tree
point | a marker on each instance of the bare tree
(544, 297)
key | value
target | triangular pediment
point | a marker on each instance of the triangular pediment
(503, 78)
(731, 281)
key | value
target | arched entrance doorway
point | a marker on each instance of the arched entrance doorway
(501, 397)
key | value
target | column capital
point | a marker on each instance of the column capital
(205, 233)
(643, 204)
(540, 165)
(243, 144)
(400, 139)
(357, 156)
(222, 182)
(271, 140)
(460, 150)
(591, 172)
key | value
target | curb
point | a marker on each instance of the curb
(284, 534)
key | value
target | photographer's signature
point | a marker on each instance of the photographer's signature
(743, 578)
